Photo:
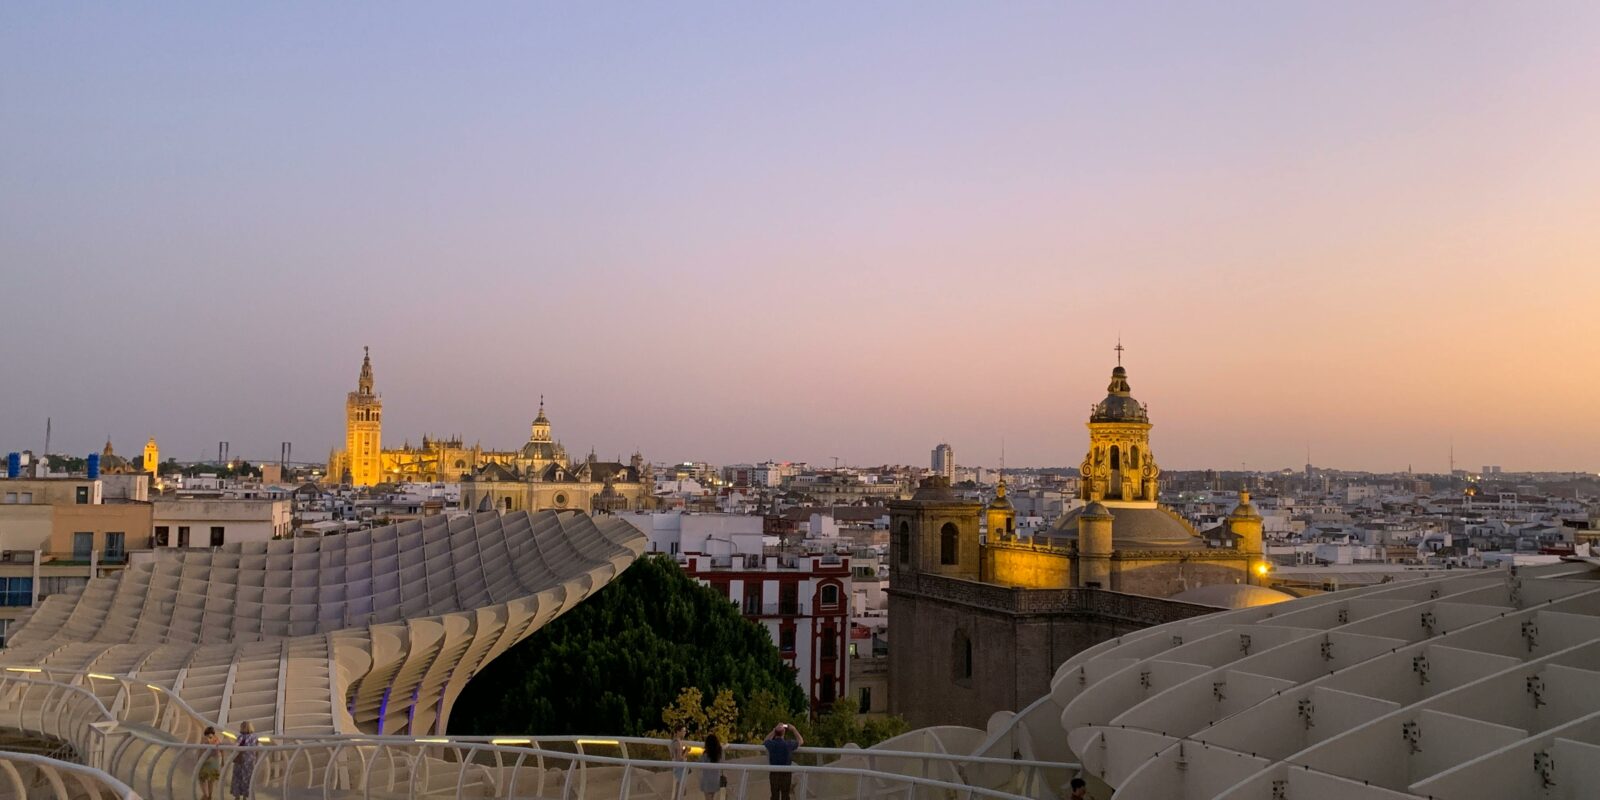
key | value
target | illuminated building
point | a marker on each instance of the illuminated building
(536, 476)
(980, 619)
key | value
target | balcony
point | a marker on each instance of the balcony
(773, 609)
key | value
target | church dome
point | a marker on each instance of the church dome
(935, 489)
(1232, 595)
(539, 450)
(1119, 405)
(1001, 502)
(1133, 527)
(1245, 510)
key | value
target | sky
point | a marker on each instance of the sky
(746, 231)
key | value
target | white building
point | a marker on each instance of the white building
(212, 522)
(803, 600)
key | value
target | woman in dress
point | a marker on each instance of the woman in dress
(244, 764)
(210, 763)
(711, 779)
(679, 753)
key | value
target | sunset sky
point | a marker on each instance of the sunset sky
(742, 231)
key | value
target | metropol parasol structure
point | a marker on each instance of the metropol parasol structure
(347, 652)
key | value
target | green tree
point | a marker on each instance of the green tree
(841, 725)
(612, 664)
(762, 712)
(699, 720)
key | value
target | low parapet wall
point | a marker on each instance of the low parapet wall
(1099, 603)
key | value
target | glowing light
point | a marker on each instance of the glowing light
(433, 741)
(606, 742)
(1262, 569)
(23, 669)
(510, 741)
(264, 739)
(101, 677)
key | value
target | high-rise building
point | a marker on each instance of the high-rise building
(944, 461)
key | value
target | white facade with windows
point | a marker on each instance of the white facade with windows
(213, 523)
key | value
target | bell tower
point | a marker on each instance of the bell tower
(152, 460)
(363, 429)
(1119, 469)
(1001, 517)
(935, 532)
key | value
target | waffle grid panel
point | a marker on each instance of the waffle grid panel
(253, 630)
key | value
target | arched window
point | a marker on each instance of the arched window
(1116, 458)
(949, 544)
(505, 503)
(1133, 457)
(902, 542)
(960, 657)
(830, 595)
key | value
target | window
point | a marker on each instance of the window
(161, 536)
(11, 497)
(1116, 458)
(752, 598)
(961, 657)
(16, 592)
(827, 692)
(949, 544)
(83, 496)
(786, 640)
(830, 595)
(82, 545)
(4, 624)
(789, 598)
(216, 535)
(830, 642)
(902, 542)
(865, 701)
(116, 545)
(27, 498)
(183, 535)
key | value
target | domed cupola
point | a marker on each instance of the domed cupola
(1119, 405)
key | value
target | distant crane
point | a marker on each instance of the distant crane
(835, 463)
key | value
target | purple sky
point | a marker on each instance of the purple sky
(746, 231)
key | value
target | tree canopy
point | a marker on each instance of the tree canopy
(612, 664)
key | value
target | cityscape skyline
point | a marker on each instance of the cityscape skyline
(808, 233)
(66, 440)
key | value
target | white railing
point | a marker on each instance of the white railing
(34, 776)
(150, 738)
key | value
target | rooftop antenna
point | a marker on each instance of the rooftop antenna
(46, 436)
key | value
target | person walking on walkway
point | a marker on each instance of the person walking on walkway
(244, 764)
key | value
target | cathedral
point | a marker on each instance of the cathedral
(1122, 538)
(982, 617)
(536, 476)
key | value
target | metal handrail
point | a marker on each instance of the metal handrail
(92, 782)
(76, 711)
(581, 741)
